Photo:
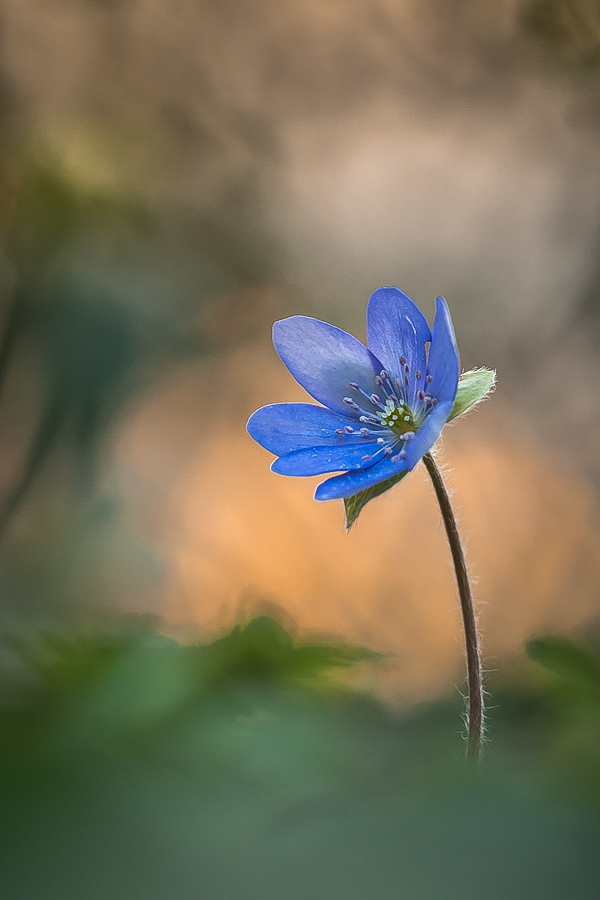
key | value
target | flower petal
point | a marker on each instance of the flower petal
(285, 427)
(326, 360)
(443, 364)
(352, 482)
(317, 460)
(395, 328)
(427, 434)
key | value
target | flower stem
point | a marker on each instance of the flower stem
(475, 679)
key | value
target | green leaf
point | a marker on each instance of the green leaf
(575, 665)
(473, 387)
(353, 505)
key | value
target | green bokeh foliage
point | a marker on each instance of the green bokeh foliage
(133, 765)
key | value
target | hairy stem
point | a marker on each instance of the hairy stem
(475, 678)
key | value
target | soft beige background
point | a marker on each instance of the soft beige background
(237, 536)
(298, 155)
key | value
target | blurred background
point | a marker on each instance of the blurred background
(173, 178)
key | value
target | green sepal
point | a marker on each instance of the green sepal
(473, 387)
(353, 505)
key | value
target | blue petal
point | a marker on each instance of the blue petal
(352, 482)
(396, 327)
(443, 363)
(284, 427)
(317, 460)
(427, 434)
(325, 360)
(444, 368)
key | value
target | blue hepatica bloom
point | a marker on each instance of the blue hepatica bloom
(383, 406)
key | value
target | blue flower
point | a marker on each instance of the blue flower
(383, 406)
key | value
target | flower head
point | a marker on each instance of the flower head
(383, 407)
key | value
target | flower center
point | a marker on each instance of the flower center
(397, 417)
